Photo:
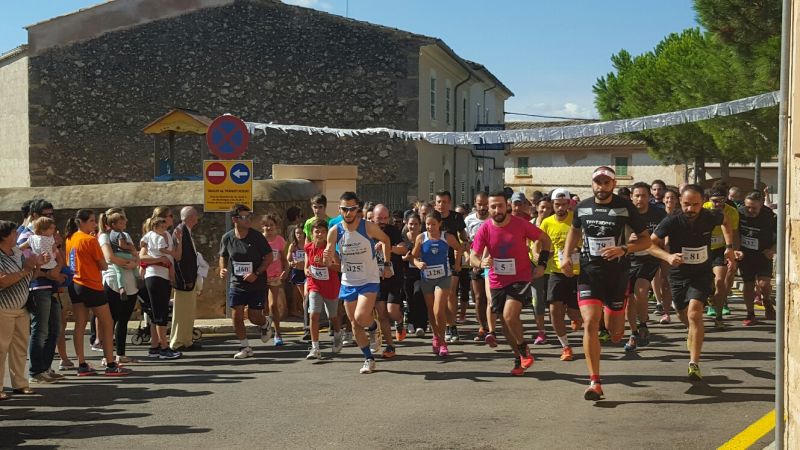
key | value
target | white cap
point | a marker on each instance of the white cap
(560, 193)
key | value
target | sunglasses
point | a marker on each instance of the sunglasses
(243, 216)
(347, 209)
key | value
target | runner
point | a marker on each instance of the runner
(389, 305)
(562, 291)
(603, 279)
(244, 255)
(452, 223)
(486, 331)
(661, 289)
(354, 238)
(323, 288)
(544, 209)
(277, 272)
(758, 229)
(463, 275)
(417, 310)
(510, 270)
(644, 269)
(722, 265)
(658, 189)
(431, 258)
(690, 236)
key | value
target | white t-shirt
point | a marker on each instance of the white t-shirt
(42, 245)
(155, 242)
(110, 276)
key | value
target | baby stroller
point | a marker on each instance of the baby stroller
(142, 333)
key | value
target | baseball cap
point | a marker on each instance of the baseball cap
(518, 197)
(560, 193)
(604, 171)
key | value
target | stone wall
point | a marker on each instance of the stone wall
(258, 59)
(139, 199)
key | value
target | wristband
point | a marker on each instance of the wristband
(544, 255)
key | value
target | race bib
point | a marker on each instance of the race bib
(597, 244)
(299, 256)
(241, 269)
(694, 255)
(350, 267)
(434, 272)
(505, 266)
(717, 240)
(575, 257)
(750, 243)
(276, 255)
(319, 273)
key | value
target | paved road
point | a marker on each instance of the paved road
(279, 400)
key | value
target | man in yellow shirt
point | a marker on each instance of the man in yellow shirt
(721, 266)
(562, 294)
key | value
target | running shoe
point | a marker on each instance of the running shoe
(566, 354)
(337, 342)
(419, 332)
(517, 371)
(266, 331)
(314, 353)
(726, 311)
(604, 336)
(348, 338)
(401, 333)
(410, 328)
(630, 346)
(665, 319)
(66, 365)
(643, 338)
(711, 312)
(368, 367)
(389, 353)
(154, 352)
(454, 337)
(43, 377)
(278, 341)
(85, 370)
(594, 392)
(169, 353)
(443, 351)
(436, 345)
(491, 340)
(448, 335)
(244, 352)
(98, 347)
(576, 325)
(117, 371)
(694, 372)
(55, 375)
(526, 359)
(541, 338)
(659, 309)
(374, 342)
(749, 321)
(481, 335)
(719, 325)
(769, 313)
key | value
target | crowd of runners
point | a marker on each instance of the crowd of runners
(378, 277)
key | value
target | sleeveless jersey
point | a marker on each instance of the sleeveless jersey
(434, 255)
(357, 254)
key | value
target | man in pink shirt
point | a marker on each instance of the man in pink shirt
(510, 270)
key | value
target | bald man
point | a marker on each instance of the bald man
(185, 283)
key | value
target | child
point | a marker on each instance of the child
(122, 246)
(297, 255)
(323, 288)
(42, 241)
(277, 271)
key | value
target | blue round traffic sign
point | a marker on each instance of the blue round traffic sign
(227, 137)
(240, 173)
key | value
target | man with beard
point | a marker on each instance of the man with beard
(389, 304)
(724, 268)
(510, 270)
(689, 254)
(603, 280)
(473, 222)
(758, 228)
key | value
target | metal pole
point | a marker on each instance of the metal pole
(780, 266)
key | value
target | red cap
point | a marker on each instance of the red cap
(604, 171)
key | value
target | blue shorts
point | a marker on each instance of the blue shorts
(351, 293)
(253, 299)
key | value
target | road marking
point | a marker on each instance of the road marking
(751, 434)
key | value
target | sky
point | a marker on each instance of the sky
(548, 52)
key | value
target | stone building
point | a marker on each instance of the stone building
(76, 97)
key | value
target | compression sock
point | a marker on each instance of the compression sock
(367, 352)
(563, 340)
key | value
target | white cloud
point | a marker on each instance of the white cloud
(316, 4)
(566, 109)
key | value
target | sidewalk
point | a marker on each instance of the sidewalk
(219, 326)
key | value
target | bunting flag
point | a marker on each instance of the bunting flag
(545, 134)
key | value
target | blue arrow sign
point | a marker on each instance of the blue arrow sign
(240, 173)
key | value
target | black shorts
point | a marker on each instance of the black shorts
(605, 284)
(755, 265)
(685, 289)
(88, 297)
(390, 292)
(297, 277)
(718, 257)
(519, 291)
(476, 274)
(646, 271)
(562, 289)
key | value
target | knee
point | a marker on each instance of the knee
(694, 315)
(591, 324)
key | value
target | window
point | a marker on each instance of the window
(522, 166)
(621, 166)
(433, 97)
(463, 186)
(447, 102)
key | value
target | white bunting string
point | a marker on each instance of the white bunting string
(545, 134)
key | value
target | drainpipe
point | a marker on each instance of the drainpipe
(780, 266)
(455, 125)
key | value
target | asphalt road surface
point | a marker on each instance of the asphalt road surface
(280, 400)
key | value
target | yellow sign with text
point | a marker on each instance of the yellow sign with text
(226, 183)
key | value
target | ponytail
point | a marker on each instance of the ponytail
(105, 219)
(73, 224)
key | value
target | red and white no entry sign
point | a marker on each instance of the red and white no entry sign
(216, 173)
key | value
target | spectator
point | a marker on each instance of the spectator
(186, 286)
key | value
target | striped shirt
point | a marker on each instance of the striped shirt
(14, 296)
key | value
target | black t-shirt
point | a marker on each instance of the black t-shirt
(692, 239)
(652, 218)
(396, 238)
(453, 224)
(409, 269)
(757, 233)
(245, 256)
(603, 226)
